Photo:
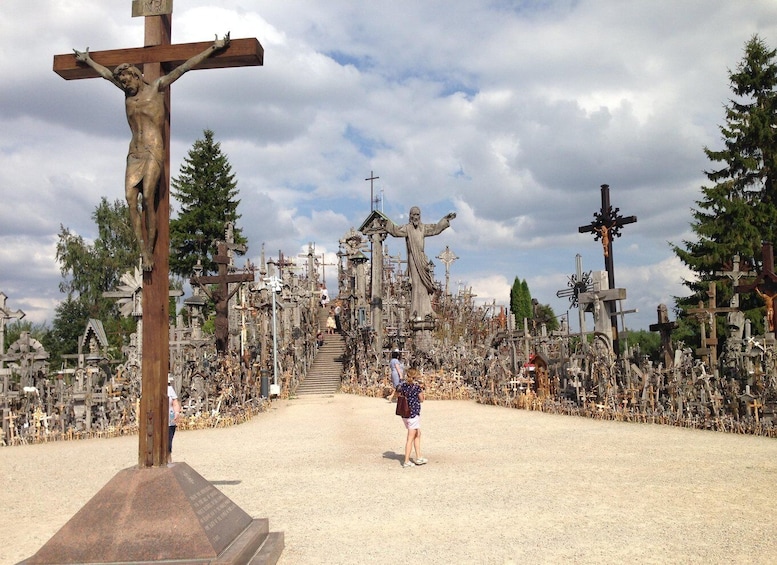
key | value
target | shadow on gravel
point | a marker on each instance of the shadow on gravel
(394, 455)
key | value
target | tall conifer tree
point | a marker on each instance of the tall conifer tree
(206, 191)
(739, 209)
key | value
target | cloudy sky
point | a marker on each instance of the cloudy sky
(510, 113)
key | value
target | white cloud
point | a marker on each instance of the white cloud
(511, 114)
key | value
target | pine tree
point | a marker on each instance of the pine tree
(739, 210)
(206, 191)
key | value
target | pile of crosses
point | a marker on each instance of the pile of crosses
(478, 352)
(95, 395)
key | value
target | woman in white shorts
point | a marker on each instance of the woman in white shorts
(415, 396)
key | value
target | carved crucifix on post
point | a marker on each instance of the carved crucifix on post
(765, 284)
(147, 100)
(606, 226)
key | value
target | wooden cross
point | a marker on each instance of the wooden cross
(221, 295)
(664, 327)
(281, 263)
(709, 345)
(158, 57)
(605, 226)
(765, 284)
(372, 178)
(735, 271)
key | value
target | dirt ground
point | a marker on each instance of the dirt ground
(501, 486)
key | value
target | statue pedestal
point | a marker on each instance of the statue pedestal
(422, 334)
(161, 514)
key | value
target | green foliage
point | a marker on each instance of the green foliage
(88, 270)
(738, 210)
(520, 302)
(544, 314)
(14, 329)
(206, 191)
(70, 318)
(649, 343)
(522, 306)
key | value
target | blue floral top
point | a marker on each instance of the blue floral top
(411, 392)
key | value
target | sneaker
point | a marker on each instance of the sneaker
(408, 465)
(421, 461)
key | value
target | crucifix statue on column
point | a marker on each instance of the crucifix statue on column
(147, 176)
(113, 526)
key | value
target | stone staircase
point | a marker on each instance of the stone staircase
(324, 374)
(326, 371)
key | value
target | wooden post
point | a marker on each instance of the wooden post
(158, 56)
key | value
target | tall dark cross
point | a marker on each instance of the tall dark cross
(664, 327)
(281, 263)
(372, 178)
(606, 226)
(158, 57)
(765, 284)
(221, 294)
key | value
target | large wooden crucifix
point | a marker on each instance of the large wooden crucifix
(162, 63)
(606, 226)
(221, 295)
(765, 284)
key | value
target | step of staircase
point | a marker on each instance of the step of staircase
(325, 373)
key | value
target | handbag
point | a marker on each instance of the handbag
(403, 408)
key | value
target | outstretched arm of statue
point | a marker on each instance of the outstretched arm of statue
(450, 216)
(83, 57)
(178, 72)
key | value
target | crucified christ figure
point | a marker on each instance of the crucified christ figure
(145, 105)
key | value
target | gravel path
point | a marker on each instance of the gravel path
(502, 486)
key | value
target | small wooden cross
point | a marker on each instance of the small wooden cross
(158, 57)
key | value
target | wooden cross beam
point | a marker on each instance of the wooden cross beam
(606, 225)
(158, 58)
(240, 53)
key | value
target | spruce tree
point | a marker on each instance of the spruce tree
(739, 209)
(206, 191)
